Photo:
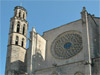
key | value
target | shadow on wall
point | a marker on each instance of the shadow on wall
(18, 67)
(38, 61)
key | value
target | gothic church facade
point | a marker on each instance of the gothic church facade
(71, 49)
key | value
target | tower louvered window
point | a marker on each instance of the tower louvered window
(19, 13)
(22, 44)
(10, 40)
(18, 27)
(16, 41)
(23, 16)
(12, 26)
(23, 29)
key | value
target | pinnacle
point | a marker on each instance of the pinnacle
(33, 29)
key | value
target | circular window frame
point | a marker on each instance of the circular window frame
(60, 36)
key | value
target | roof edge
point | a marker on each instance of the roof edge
(20, 7)
(60, 26)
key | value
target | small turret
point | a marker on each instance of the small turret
(83, 15)
(84, 9)
(20, 12)
(33, 29)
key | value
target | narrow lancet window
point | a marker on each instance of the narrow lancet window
(19, 13)
(18, 27)
(10, 40)
(23, 16)
(12, 26)
(22, 42)
(23, 29)
(16, 41)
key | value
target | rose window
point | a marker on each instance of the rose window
(67, 44)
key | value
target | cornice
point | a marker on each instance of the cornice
(18, 33)
(16, 45)
(17, 18)
(20, 7)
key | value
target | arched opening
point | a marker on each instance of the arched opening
(23, 16)
(22, 44)
(12, 26)
(18, 27)
(19, 13)
(10, 40)
(16, 41)
(16, 12)
(24, 29)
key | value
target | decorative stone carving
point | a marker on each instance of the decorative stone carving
(67, 44)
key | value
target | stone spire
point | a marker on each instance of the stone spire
(84, 9)
(33, 29)
(83, 14)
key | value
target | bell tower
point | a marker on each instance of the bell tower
(16, 50)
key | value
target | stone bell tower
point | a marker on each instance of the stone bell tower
(15, 63)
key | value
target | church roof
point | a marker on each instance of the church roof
(62, 25)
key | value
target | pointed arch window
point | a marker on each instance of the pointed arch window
(15, 12)
(23, 16)
(16, 41)
(10, 40)
(22, 44)
(12, 26)
(19, 13)
(23, 29)
(18, 27)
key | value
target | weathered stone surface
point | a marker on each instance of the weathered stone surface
(40, 57)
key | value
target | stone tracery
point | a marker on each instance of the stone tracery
(73, 42)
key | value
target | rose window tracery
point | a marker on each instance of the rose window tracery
(67, 44)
